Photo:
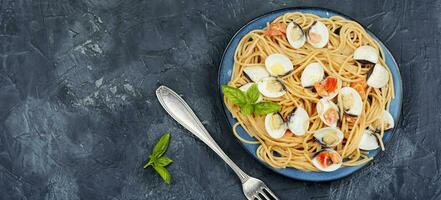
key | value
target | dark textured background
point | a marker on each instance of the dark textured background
(78, 114)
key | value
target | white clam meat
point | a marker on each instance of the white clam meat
(368, 141)
(271, 87)
(328, 112)
(366, 54)
(329, 136)
(318, 35)
(327, 160)
(256, 73)
(245, 87)
(351, 101)
(312, 74)
(278, 64)
(295, 35)
(275, 126)
(378, 76)
(298, 122)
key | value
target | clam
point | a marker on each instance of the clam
(368, 141)
(312, 74)
(298, 122)
(278, 64)
(377, 77)
(246, 86)
(318, 35)
(271, 87)
(295, 35)
(329, 136)
(351, 101)
(328, 88)
(366, 55)
(256, 73)
(327, 160)
(387, 120)
(275, 126)
(328, 112)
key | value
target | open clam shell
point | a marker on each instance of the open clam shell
(271, 87)
(366, 54)
(329, 136)
(295, 35)
(318, 35)
(328, 112)
(298, 122)
(275, 126)
(327, 160)
(351, 101)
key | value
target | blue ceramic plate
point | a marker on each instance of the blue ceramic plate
(226, 67)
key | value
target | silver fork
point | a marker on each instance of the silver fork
(176, 107)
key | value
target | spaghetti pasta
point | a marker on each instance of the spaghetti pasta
(337, 60)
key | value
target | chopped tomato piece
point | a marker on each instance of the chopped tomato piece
(324, 159)
(360, 87)
(276, 29)
(327, 86)
(330, 84)
(320, 89)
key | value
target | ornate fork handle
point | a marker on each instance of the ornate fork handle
(184, 115)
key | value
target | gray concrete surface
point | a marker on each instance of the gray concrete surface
(78, 114)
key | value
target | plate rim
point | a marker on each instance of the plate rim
(293, 9)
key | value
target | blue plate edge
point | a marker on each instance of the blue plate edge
(280, 171)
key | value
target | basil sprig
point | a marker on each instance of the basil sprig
(247, 100)
(157, 159)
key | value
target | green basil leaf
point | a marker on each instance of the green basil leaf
(163, 161)
(151, 161)
(234, 95)
(253, 94)
(247, 109)
(165, 175)
(161, 146)
(264, 108)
